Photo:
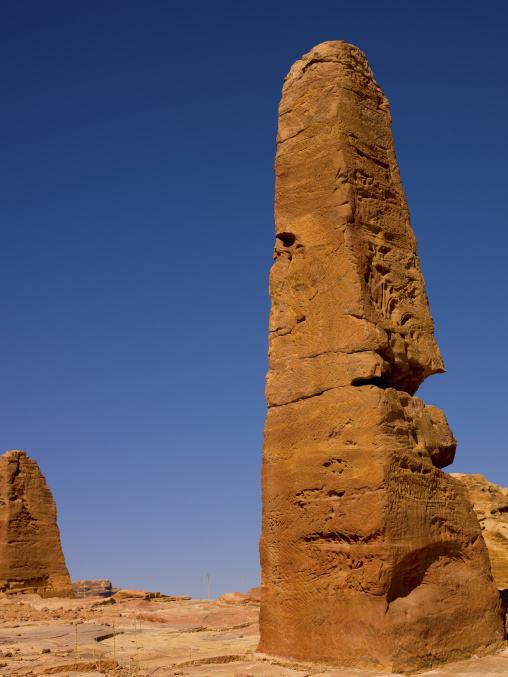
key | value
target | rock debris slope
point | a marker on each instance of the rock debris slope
(490, 503)
(371, 555)
(31, 558)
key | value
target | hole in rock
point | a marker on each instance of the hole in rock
(332, 461)
(382, 269)
(335, 494)
(287, 239)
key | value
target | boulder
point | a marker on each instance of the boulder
(31, 557)
(371, 555)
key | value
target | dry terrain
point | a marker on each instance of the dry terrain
(158, 637)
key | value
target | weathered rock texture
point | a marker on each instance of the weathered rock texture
(94, 588)
(371, 555)
(490, 503)
(31, 558)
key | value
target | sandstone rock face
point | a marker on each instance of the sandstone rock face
(371, 555)
(94, 588)
(490, 503)
(31, 558)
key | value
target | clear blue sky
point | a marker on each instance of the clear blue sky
(137, 237)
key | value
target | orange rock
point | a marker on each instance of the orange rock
(490, 503)
(349, 298)
(31, 557)
(233, 598)
(371, 555)
(252, 597)
(255, 594)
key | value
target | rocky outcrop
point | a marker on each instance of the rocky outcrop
(371, 555)
(31, 558)
(94, 588)
(490, 503)
(123, 594)
(252, 597)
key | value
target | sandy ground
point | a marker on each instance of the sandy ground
(88, 637)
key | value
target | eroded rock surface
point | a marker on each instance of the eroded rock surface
(93, 588)
(370, 553)
(31, 558)
(490, 503)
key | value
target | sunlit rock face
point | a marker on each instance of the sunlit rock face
(31, 557)
(371, 555)
(490, 503)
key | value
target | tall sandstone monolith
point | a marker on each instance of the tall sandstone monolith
(31, 557)
(371, 555)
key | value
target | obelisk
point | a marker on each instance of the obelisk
(371, 554)
(31, 557)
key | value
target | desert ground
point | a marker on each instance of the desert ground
(160, 637)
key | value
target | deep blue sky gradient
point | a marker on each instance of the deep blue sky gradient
(137, 210)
